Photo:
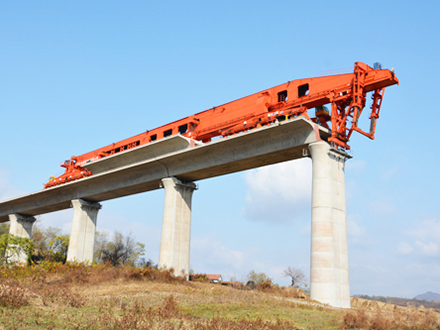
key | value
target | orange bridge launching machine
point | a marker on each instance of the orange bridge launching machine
(346, 94)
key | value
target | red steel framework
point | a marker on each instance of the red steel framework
(345, 92)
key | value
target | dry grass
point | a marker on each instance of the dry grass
(72, 296)
(12, 295)
(378, 315)
(396, 321)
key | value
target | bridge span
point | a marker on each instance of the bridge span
(174, 164)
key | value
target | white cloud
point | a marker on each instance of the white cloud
(355, 231)
(427, 230)
(372, 273)
(427, 238)
(429, 249)
(306, 230)
(355, 167)
(382, 207)
(404, 248)
(390, 173)
(61, 219)
(279, 193)
(7, 189)
(430, 271)
(207, 252)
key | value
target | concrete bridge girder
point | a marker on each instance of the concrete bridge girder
(194, 161)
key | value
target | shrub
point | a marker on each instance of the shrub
(198, 278)
(259, 281)
(13, 296)
(13, 247)
(169, 308)
(354, 320)
(398, 320)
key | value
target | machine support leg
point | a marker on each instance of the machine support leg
(329, 278)
(21, 226)
(82, 235)
(176, 226)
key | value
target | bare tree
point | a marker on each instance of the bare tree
(101, 241)
(297, 276)
(121, 250)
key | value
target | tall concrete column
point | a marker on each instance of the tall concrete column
(329, 278)
(21, 226)
(82, 234)
(176, 226)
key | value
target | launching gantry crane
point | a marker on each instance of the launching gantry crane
(346, 94)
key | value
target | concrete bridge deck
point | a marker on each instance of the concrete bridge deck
(141, 169)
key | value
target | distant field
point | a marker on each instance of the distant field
(404, 301)
(56, 296)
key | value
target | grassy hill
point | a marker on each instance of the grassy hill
(56, 296)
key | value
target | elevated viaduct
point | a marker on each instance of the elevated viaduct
(174, 164)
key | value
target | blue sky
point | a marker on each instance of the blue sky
(75, 76)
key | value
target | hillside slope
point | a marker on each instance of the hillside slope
(74, 296)
(428, 296)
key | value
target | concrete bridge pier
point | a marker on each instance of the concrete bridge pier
(21, 226)
(329, 278)
(176, 226)
(82, 234)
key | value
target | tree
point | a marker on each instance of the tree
(297, 276)
(14, 248)
(39, 240)
(50, 243)
(58, 247)
(259, 280)
(101, 240)
(121, 250)
(4, 228)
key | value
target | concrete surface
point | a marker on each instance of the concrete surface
(152, 150)
(21, 226)
(82, 234)
(176, 226)
(195, 161)
(329, 278)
